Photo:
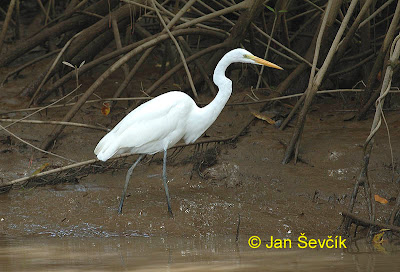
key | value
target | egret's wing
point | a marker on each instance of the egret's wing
(147, 125)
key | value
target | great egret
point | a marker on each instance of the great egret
(161, 122)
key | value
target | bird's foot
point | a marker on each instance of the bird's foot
(121, 204)
(170, 213)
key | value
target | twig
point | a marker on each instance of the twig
(58, 129)
(117, 38)
(196, 23)
(28, 64)
(53, 123)
(78, 164)
(390, 142)
(131, 74)
(187, 6)
(313, 68)
(134, 49)
(65, 15)
(35, 147)
(5, 14)
(238, 229)
(90, 14)
(43, 108)
(301, 14)
(303, 26)
(281, 45)
(213, 10)
(376, 12)
(369, 223)
(55, 62)
(395, 210)
(353, 67)
(60, 169)
(320, 9)
(266, 51)
(199, 65)
(43, 10)
(51, 106)
(276, 51)
(240, 5)
(362, 177)
(177, 67)
(389, 37)
(17, 20)
(317, 80)
(6, 22)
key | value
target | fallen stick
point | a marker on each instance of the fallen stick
(367, 223)
(78, 164)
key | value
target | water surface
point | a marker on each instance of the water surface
(179, 254)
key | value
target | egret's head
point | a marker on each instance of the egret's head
(242, 55)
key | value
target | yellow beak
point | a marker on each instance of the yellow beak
(265, 62)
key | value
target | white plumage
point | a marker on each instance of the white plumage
(161, 122)
(152, 127)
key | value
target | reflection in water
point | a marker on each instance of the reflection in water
(178, 254)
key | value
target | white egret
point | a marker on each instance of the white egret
(161, 122)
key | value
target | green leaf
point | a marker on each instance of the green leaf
(270, 8)
(283, 11)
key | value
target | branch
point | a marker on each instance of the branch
(58, 129)
(368, 223)
(362, 177)
(54, 123)
(19, 69)
(6, 22)
(317, 80)
(166, 28)
(34, 147)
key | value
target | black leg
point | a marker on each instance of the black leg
(128, 176)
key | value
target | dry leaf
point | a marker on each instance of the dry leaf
(380, 199)
(263, 117)
(379, 76)
(105, 110)
(378, 238)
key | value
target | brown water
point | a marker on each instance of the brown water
(178, 254)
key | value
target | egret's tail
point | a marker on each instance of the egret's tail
(107, 147)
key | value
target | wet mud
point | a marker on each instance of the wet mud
(239, 183)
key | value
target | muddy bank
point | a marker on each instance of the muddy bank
(246, 181)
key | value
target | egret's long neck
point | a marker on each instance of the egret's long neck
(212, 110)
(202, 118)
